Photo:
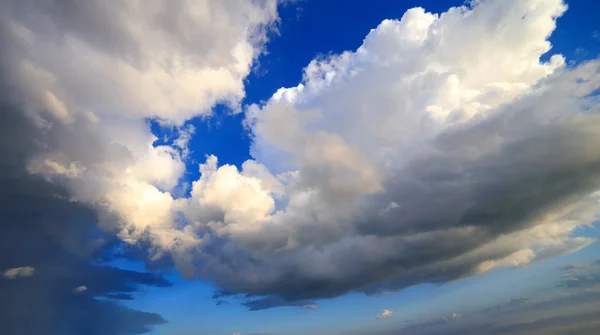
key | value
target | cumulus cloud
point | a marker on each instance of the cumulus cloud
(159, 59)
(385, 313)
(443, 147)
(20, 272)
(80, 173)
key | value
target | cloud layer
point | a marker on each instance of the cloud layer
(385, 313)
(443, 147)
(564, 309)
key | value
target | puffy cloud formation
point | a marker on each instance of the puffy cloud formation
(79, 173)
(385, 313)
(20, 272)
(443, 147)
(166, 59)
(89, 75)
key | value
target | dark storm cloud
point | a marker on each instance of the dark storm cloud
(42, 229)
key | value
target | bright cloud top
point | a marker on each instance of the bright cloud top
(443, 147)
(172, 60)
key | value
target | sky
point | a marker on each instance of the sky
(291, 167)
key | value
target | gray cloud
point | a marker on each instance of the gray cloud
(508, 304)
(40, 227)
(563, 309)
(581, 276)
(440, 321)
(275, 301)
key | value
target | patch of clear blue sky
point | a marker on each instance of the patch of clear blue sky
(310, 28)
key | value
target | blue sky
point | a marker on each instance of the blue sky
(410, 180)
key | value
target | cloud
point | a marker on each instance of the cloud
(584, 323)
(310, 307)
(163, 60)
(79, 83)
(581, 276)
(418, 158)
(552, 312)
(508, 304)
(20, 272)
(90, 76)
(42, 227)
(275, 301)
(433, 322)
(385, 313)
(562, 309)
(80, 289)
(442, 148)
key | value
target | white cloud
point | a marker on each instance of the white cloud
(137, 59)
(385, 313)
(20, 272)
(90, 75)
(80, 289)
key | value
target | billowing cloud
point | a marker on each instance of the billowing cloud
(80, 176)
(442, 148)
(445, 146)
(158, 59)
(20, 272)
(385, 313)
